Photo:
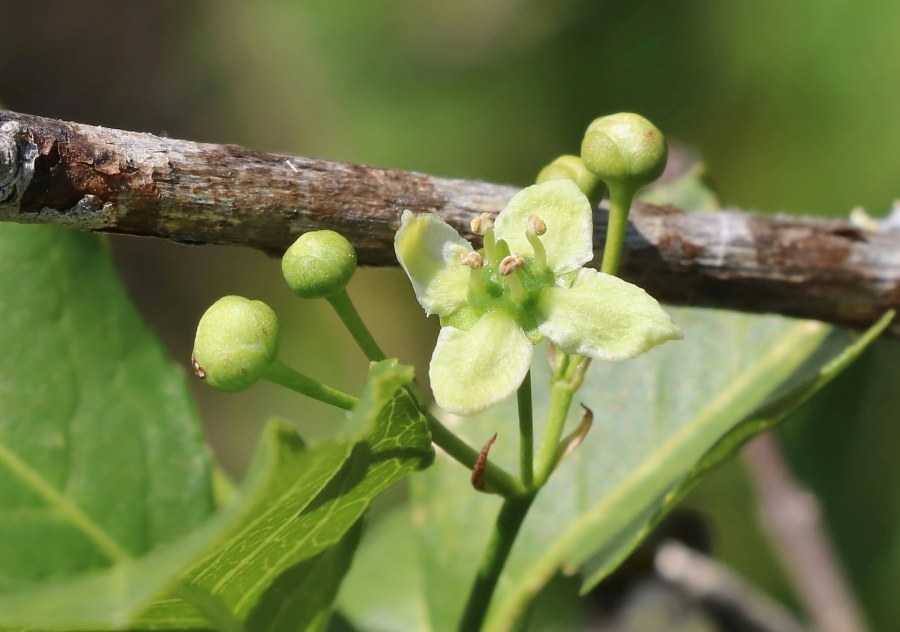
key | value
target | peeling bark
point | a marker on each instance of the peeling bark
(99, 179)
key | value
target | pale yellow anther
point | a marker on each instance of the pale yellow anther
(510, 264)
(536, 225)
(481, 224)
(472, 259)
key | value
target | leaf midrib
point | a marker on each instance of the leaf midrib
(781, 349)
(64, 507)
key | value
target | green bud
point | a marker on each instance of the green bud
(236, 342)
(569, 168)
(319, 264)
(624, 150)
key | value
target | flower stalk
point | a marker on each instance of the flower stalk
(348, 314)
(619, 206)
(506, 528)
(526, 433)
(283, 375)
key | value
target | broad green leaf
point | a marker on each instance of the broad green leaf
(288, 523)
(313, 497)
(105, 481)
(102, 459)
(302, 597)
(114, 597)
(655, 419)
(689, 191)
(777, 407)
(384, 590)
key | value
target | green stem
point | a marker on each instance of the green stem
(560, 400)
(526, 433)
(209, 605)
(510, 519)
(495, 476)
(284, 375)
(619, 205)
(344, 307)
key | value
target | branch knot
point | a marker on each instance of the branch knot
(17, 155)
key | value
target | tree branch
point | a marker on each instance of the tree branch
(722, 591)
(99, 179)
(791, 516)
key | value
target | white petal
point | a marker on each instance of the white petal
(428, 248)
(567, 213)
(604, 317)
(471, 370)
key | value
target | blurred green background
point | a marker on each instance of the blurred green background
(793, 106)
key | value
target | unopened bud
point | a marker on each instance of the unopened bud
(237, 340)
(319, 264)
(624, 150)
(569, 168)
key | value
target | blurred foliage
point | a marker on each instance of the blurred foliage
(792, 106)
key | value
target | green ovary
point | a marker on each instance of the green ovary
(517, 294)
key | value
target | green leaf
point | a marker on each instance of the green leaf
(384, 589)
(655, 419)
(302, 597)
(690, 191)
(292, 521)
(777, 407)
(106, 486)
(311, 498)
(102, 459)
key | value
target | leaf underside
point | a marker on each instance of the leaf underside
(660, 422)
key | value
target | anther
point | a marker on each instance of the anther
(536, 225)
(481, 224)
(472, 259)
(510, 264)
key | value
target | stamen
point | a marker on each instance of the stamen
(481, 224)
(510, 264)
(490, 246)
(536, 225)
(536, 228)
(472, 259)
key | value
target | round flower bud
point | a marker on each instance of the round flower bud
(319, 264)
(624, 149)
(569, 168)
(237, 340)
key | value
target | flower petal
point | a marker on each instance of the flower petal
(566, 212)
(604, 317)
(428, 248)
(472, 370)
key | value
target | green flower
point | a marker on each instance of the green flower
(525, 285)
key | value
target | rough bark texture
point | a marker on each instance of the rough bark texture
(99, 179)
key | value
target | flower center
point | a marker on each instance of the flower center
(509, 281)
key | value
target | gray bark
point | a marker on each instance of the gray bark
(105, 180)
